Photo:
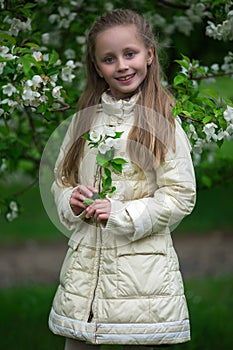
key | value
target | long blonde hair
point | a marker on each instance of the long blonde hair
(156, 134)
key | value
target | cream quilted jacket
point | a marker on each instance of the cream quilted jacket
(121, 284)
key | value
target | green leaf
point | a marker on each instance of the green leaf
(185, 58)
(88, 201)
(34, 45)
(118, 134)
(101, 160)
(86, 137)
(109, 154)
(42, 108)
(182, 63)
(26, 64)
(119, 161)
(107, 172)
(179, 79)
(117, 167)
(108, 182)
(53, 58)
(211, 93)
(7, 38)
(207, 119)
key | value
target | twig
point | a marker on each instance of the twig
(210, 76)
(183, 116)
(174, 5)
(25, 189)
(65, 108)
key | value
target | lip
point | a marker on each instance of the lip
(126, 78)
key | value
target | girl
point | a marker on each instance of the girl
(120, 282)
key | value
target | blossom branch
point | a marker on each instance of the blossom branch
(185, 117)
(209, 76)
(174, 5)
(61, 109)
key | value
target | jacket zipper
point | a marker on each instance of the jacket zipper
(97, 279)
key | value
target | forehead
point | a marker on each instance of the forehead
(118, 37)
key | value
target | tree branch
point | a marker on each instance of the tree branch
(210, 76)
(25, 189)
(184, 117)
(65, 108)
(174, 5)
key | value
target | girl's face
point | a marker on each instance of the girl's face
(121, 58)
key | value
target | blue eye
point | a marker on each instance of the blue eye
(130, 54)
(108, 59)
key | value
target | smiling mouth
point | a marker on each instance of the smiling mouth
(126, 78)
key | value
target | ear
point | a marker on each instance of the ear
(150, 55)
(98, 70)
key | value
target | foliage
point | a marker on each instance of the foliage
(42, 45)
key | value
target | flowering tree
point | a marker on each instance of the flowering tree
(42, 46)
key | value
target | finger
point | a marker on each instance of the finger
(86, 191)
(92, 189)
(77, 203)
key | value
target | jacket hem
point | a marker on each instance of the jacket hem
(104, 333)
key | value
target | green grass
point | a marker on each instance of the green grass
(23, 321)
(24, 314)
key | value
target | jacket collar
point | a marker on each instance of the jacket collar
(118, 108)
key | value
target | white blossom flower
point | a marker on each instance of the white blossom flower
(113, 143)
(95, 136)
(192, 132)
(2, 65)
(29, 95)
(46, 57)
(4, 50)
(9, 102)
(209, 130)
(222, 134)
(66, 74)
(110, 142)
(109, 132)
(13, 206)
(9, 89)
(11, 216)
(45, 37)
(103, 148)
(80, 39)
(53, 18)
(183, 24)
(63, 11)
(228, 114)
(37, 55)
(108, 6)
(215, 67)
(198, 146)
(3, 165)
(56, 93)
(36, 81)
(69, 53)
(229, 130)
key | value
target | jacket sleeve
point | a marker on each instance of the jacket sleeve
(61, 193)
(171, 202)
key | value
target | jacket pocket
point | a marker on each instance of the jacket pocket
(142, 268)
(70, 259)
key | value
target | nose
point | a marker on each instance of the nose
(122, 64)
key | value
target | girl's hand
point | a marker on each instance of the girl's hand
(79, 194)
(100, 210)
